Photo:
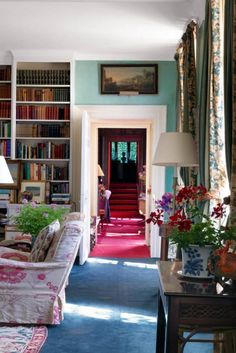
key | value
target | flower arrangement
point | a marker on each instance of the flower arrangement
(34, 217)
(190, 224)
(101, 191)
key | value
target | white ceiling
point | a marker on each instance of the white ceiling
(108, 29)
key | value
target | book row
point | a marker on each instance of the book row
(5, 91)
(43, 94)
(44, 112)
(43, 77)
(43, 172)
(5, 129)
(5, 73)
(59, 188)
(43, 130)
(5, 148)
(5, 110)
(43, 150)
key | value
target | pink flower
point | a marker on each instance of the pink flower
(11, 275)
(41, 276)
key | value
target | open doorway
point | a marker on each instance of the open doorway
(122, 155)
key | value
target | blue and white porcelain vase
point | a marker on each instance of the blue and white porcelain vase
(195, 261)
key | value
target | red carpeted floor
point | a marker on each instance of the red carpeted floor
(122, 238)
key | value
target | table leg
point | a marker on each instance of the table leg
(161, 324)
(172, 327)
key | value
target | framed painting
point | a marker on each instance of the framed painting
(15, 170)
(37, 188)
(139, 79)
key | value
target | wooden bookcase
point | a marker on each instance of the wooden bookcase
(42, 130)
(5, 110)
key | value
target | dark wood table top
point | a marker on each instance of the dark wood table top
(173, 283)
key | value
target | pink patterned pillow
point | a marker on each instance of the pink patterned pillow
(43, 241)
(17, 256)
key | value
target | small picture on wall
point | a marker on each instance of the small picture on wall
(36, 188)
(129, 78)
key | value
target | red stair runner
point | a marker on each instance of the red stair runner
(124, 200)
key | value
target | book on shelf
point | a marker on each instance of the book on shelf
(5, 90)
(42, 112)
(43, 77)
(5, 110)
(5, 73)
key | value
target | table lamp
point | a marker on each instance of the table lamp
(100, 173)
(5, 175)
(176, 149)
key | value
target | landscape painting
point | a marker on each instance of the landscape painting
(141, 79)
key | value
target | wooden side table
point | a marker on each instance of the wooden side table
(198, 305)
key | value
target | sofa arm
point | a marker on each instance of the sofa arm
(40, 276)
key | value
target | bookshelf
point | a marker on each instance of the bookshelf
(5, 110)
(43, 126)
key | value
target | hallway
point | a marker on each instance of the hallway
(122, 238)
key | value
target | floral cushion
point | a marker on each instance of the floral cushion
(43, 241)
(70, 237)
(54, 244)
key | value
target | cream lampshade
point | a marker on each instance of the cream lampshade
(5, 175)
(100, 171)
(176, 149)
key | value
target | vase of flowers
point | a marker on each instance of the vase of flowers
(193, 229)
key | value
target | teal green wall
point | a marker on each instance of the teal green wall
(87, 92)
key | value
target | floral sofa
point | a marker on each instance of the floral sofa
(32, 285)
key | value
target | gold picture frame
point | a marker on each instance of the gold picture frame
(131, 78)
(37, 188)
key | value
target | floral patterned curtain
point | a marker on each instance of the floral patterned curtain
(233, 166)
(186, 99)
(217, 162)
(211, 111)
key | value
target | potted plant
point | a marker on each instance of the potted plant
(34, 217)
(192, 229)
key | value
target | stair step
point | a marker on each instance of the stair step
(123, 191)
(123, 185)
(126, 214)
(124, 196)
(123, 202)
(124, 207)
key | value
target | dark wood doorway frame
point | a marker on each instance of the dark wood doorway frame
(105, 138)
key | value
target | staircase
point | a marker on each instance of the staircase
(124, 200)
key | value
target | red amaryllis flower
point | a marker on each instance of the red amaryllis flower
(156, 217)
(218, 211)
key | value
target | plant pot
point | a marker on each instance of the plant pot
(195, 261)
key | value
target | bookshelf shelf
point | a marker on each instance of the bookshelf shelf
(42, 86)
(5, 110)
(42, 121)
(43, 138)
(45, 159)
(43, 126)
(43, 102)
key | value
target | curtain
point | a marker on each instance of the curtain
(211, 111)
(233, 167)
(228, 82)
(186, 99)
(203, 100)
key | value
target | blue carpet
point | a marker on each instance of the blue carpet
(111, 308)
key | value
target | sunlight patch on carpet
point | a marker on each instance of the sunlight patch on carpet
(22, 339)
(137, 318)
(140, 265)
(89, 311)
(102, 261)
